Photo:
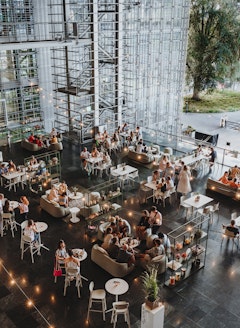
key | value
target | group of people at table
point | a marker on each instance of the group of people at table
(45, 141)
(231, 177)
(125, 252)
(59, 194)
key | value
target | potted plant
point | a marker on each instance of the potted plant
(151, 287)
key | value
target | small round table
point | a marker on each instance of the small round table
(74, 211)
(132, 242)
(116, 286)
(79, 253)
(75, 196)
(14, 204)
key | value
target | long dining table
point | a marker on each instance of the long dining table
(124, 170)
(13, 178)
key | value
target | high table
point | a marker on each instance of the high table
(203, 200)
(116, 286)
(41, 227)
(13, 178)
(81, 255)
(124, 170)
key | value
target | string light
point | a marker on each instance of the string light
(29, 301)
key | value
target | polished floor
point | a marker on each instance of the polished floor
(209, 298)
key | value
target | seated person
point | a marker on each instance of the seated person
(232, 228)
(61, 252)
(113, 248)
(155, 176)
(31, 138)
(54, 140)
(169, 171)
(53, 195)
(63, 188)
(224, 178)
(7, 207)
(165, 242)
(84, 156)
(155, 219)
(71, 261)
(163, 163)
(234, 172)
(107, 159)
(33, 161)
(140, 146)
(122, 228)
(233, 183)
(53, 133)
(95, 152)
(39, 142)
(169, 183)
(108, 236)
(11, 166)
(143, 225)
(3, 169)
(125, 255)
(161, 188)
(63, 200)
(31, 231)
(156, 250)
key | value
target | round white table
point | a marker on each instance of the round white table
(116, 286)
(14, 204)
(132, 242)
(79, 253)
(41, 226)
(75, 196)
(74, 211)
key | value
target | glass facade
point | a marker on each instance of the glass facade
(78, 65)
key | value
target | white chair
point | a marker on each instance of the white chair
(187, 208)
(173, 191)
(112, 174)
(205, 212)
(59, 265)
(120, 307)
(123, 179)
(162, 196)
(149, 178)
(72, 274)
(214, 208)
(55, 181)
(134, 176)
(96, 296)
(9, 221)
(28, 244)
(144, 193)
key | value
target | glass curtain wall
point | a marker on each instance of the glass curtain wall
(83, 64)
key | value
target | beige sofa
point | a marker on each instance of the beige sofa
(101, 258)
(53, 208)
(56, 146)
(30, 146)
(140, 157)
(223, 189)
(159, 261)
(102, 227)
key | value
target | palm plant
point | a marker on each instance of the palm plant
(150, 283)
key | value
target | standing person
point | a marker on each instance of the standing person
(212, 157)
(84, 156)
(184, 185)
(23, 208)
(1, 214)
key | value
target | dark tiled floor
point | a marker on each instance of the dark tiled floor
(210, 298)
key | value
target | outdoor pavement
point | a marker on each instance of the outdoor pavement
(210, 124)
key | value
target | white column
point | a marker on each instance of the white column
(152, 318)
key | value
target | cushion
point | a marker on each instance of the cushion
(95, 209)
(102, 250)
(157, 258)
(54, 203)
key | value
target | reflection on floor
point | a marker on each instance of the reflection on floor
(210, 298)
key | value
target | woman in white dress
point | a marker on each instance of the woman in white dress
(184, 185)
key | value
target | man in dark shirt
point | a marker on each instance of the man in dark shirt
(125, 255)
(113, 248)
(232, 228)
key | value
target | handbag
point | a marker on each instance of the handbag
(57, 273)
